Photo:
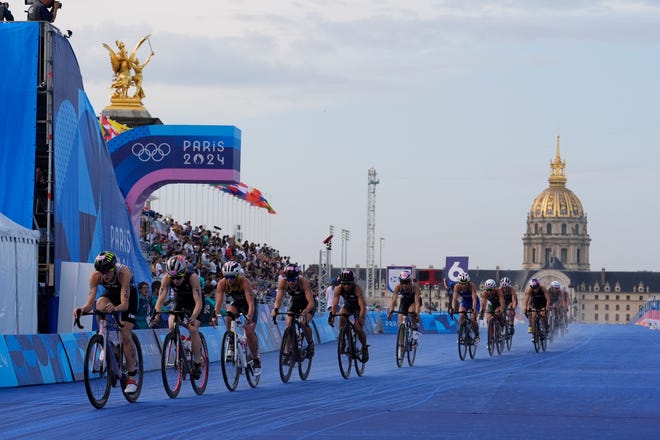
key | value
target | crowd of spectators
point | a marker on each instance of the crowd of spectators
(206, 251)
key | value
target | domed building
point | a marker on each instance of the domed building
(556, 226)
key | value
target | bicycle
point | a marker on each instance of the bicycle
(236, 357)
(349, 348)
(406, 345)
(508, 327)
(495, 339)
(103, 371)
(295, 348)
(176, 360)
(539, 331)
(467, 341)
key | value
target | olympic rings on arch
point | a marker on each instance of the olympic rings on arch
(151, 151)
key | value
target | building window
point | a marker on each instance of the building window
(627, 316)
(582, 317)
(577, 256)
(617, 297)
(547, 255)
(616, 307)
(596, 297)
(616, 317)
(595, 316)
(564, 255)
(596, 307)
(533, 255)
(563, 229)
(641, 298)
(607, 316)
(607, 306)
(607, 297)
(548, 229)
(582, 307)
(627, 297)
(627, 307)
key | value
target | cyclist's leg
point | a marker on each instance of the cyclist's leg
(196, 341)
(128, 344)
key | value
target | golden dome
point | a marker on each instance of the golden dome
(557, 201)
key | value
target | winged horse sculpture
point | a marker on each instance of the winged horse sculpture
(122, 65)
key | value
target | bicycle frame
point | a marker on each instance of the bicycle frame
(240, 357)
(347, 351)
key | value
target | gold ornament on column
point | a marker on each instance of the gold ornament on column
(127, 76)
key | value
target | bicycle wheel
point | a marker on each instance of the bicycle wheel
(411, 348)
(305, 353)
(551, 325)
(357, 354)
(400, 345)
(463, 338)
(231, 372)
(491, 336)
(252, 379)
(97, 378)
(139, 371)
(472, 348)
(287, 352)
(171, 366)
(542, 334)
(499, 338)
(536, 338)
(199, 385)
(509, 336)
(345, 351)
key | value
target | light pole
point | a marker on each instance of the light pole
(380, 265)
(345, 236)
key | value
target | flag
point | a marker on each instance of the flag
(111, 128)
(248, 193)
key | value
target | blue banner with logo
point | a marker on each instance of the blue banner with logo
(454, 266)
(90, 212)
(146, 158)
(19, 46)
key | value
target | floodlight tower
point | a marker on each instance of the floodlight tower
(371, 231)
(325, 265)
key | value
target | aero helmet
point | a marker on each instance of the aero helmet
(463, 278)
(231, 269)
(490, 284)
(105, 261)
(505, 282)
(555, 285)
(534, 283)
(346, 277)
(176, 265)
(405, 277)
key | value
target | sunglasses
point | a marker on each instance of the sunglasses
(230, 277)
(346, 284)
(178, 277)
(291, 280)
(109, 271)
(405, 282)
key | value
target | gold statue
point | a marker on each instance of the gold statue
(122, 65)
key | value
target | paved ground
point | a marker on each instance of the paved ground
(597, 382)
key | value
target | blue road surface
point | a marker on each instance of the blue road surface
(597, 382)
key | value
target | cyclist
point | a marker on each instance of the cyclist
(556, 297)
(187, 297)
(493, 303)
(536, 297)
(119, 295)
(408, 290)
(354, 304)
(302, 301)
(510, 302)
(239, 288)
(467, 292)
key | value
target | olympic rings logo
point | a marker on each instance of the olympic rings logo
(151, 151)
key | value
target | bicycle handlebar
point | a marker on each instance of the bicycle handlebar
(102, 315)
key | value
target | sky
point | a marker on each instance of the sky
(456, 104)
